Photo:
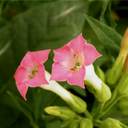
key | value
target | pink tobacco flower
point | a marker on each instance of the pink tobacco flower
(31, 72)
(71, 61)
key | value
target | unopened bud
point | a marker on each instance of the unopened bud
(64, 113)
(112, 123)
(86, 123)
(115, 73)
(122, 86)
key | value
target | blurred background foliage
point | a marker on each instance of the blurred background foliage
(39, 24)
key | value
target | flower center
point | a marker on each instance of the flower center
(77, 66)
(34, 72)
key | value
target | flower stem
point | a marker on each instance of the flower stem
(99, 110)
(115, 97)
(88, 114)
(97, 123)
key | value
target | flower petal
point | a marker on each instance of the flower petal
(22, 87)
(91, 54)
(28, 60)
(41, 56)
(77, 78)
(59, 72)
(39, 79)
(21, 75)
(77, 44)
(63, 54)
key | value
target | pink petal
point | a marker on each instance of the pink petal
(39, 79)
(59, 72)
(22, 87)
(28, 60)
(41, 56)
(77, 78)
(77, 44)
(21, 75)
(90, 54)
(63, 54)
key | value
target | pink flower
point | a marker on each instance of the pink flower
(71, 61)
(31, 71)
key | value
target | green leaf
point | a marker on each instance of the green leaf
(47, 26)
(109, 37)
(105, 16)
(7, 119)
(54, 124)
(38, 29)
(24, 108)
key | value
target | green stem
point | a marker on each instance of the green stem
(99, 110)
(78, 117)
(97, 123)
(115, 97)
(88, 114)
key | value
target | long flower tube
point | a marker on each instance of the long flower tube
(74, 102)
(96, 85)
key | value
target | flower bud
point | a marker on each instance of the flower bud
(64, 113)
(75, 124)
(86, 123)
(112, 123)
(115, 73)
(122, 86)
(100, 74)
(78, 105)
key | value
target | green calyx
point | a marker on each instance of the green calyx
(102, 95)
(77, 104)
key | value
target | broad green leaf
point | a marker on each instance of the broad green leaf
(6, 115)
(109, 37)
(105, 16)
(38, 29)
(22, 105)
(47, 26)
